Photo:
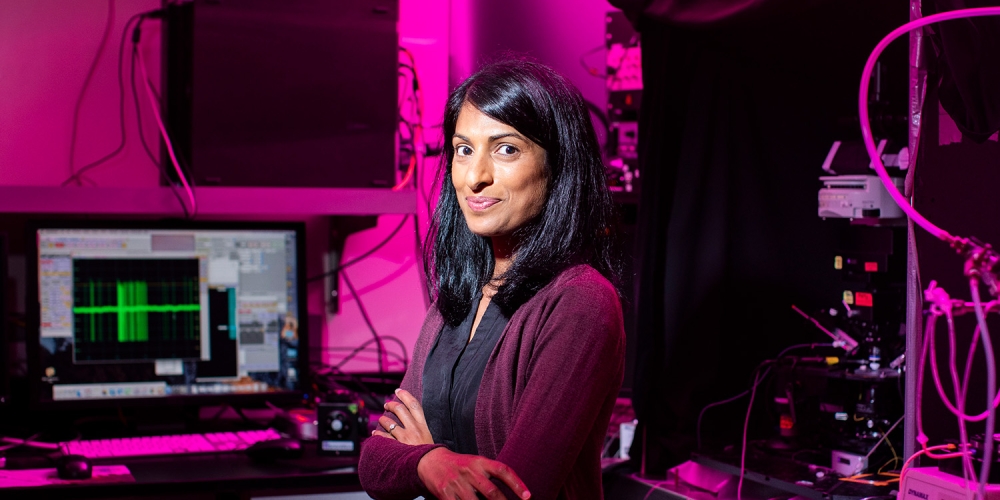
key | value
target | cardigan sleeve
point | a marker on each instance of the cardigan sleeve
(387, 468)
(576, 365)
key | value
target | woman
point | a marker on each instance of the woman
(520, 359)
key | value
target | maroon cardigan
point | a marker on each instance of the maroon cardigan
(545, 400)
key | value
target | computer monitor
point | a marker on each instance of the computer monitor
(132, 313)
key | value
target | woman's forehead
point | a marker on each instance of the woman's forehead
(474, 124)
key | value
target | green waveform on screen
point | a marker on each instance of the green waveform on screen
(132, 308)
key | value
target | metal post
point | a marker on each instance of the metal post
(914, 302)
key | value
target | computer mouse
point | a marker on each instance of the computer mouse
(74, 467)
(274, 449)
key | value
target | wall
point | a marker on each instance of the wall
(557, 32)
(48, 46)
(389, 282)
(46, 50)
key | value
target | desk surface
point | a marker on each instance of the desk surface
(792, 476)
(225, 474)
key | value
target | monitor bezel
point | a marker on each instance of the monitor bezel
(33, 320)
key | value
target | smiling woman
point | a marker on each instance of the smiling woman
(499, 176)
(521, 356)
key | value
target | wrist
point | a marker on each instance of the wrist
(427, 461)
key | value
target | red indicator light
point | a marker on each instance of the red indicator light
(871, 267)
(786, 422)
(863, 299)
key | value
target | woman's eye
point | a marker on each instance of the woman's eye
(463, 150)
(507, 149)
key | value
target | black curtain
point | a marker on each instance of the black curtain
(963, 58)
(955, 184)
(737, 116)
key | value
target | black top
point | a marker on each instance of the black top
(452, 373)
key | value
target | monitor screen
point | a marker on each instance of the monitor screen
(133, 314)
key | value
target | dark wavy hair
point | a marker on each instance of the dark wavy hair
(574, 227)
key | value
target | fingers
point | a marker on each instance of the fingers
(382, 433)
(412, 404)
(504, 473)
(460, 491)
(483, 485)
(452, 475)
(385, 421)
(402, 412)
(411, 415)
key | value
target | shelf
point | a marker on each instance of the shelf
(211, 201)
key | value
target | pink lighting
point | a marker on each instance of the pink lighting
(48, 46)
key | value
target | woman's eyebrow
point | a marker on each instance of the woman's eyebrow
(492, 137)
(507, 134)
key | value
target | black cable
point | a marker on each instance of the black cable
(182, 164)
(186, 169)
(368, 321)
(86, 83)
(769, 363)
(418, 244)
(411, 139)
(415, 99)
(601, 115)
(409, 128)
(239, 411)
(138, 112)
(142, 138)
(402, 347)
(413, 70)
(419, 182)
(222, 409)
(435, 186)
(593, 71)
(191, 182)
(375, 398)
(420, 121)
(408, 54)
(412, 97)
(121, 110)
(357, 380)
(355, 351)
(362, 256)
(364, 347)
(422, 190)
(152, 88)
(399, 106)
(8, 443)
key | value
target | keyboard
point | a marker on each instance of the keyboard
(174, 444)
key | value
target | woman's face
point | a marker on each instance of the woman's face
(498, 174)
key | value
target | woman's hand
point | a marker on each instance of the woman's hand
(452, 475)
(412, 427)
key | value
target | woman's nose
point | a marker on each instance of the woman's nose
(480, 173)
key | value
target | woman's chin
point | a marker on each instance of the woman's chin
(485, 230)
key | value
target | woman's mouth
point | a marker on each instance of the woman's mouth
(480, 203)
